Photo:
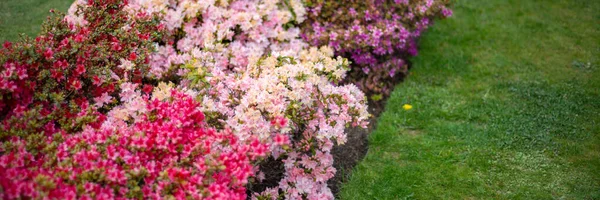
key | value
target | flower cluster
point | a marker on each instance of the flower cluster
(169, 152)
(376, 35)
(288, 100)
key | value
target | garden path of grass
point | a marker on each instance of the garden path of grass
(505, 107)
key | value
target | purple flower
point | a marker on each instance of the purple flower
(446, 12)
(352, 12)
(377, 35)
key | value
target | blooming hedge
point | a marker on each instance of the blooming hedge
(185, 99)
(168, 152)
(378, 36)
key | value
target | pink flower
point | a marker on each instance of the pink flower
(281, 139)
(79, 38)
(447, 12)
(279, 121)
(19, 110)
(22, 73)
(102, 100)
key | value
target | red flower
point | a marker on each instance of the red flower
(259, 148)
(79, 38)
(144, 36)
(147, 88)
(7, 45)
(76, 84)
(110, 87)
(96, 81)
(48, 54)
(82, 102)
(142, 14)
(99, 120)
(56, 74)
(7, 73)
(64, 42)
(62, 64)
(80, 69)
(132, 56)
(116, 46)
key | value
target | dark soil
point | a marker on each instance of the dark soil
(273, 170)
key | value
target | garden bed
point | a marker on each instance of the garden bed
(190, 99)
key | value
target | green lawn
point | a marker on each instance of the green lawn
(505, 107)
(26, 16)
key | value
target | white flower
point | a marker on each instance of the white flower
(126, 64)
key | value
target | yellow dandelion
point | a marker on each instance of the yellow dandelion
(407, 107)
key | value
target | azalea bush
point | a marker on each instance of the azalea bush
(169, 152)
(378, 36)
(67, 76)
(288, 100)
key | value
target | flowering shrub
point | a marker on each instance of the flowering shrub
(288, 100)
(377, 35)
(58, 81)
(169, 152)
